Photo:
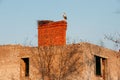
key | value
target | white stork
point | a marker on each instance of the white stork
(64, 16)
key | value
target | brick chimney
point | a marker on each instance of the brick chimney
(52, 33)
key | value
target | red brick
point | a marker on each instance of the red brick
(52, 33)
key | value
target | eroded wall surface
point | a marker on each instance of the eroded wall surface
(12, 66)
(110, 68)
(9, 62)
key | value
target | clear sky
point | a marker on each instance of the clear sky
(87, 19)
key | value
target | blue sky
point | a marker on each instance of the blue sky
(88, 20)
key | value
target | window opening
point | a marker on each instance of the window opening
(25, 66)
(100, 64)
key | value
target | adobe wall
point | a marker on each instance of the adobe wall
(118, 57)
(86, 69)
(61, 62)
(10, 61)
(51, 33)
(12, 66)
(112, 71)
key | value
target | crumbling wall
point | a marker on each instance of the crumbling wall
(9, 63)
(111, 71)
(87, 70)
(64, 64)
(11, 56)
(118, 63)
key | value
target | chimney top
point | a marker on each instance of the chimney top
(42, 22)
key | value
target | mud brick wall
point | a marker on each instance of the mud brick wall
(12, 66)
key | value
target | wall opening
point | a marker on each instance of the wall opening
(25, 67)
(100, 65)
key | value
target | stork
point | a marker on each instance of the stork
(64, 16)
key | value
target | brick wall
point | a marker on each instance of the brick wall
(51, 33)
